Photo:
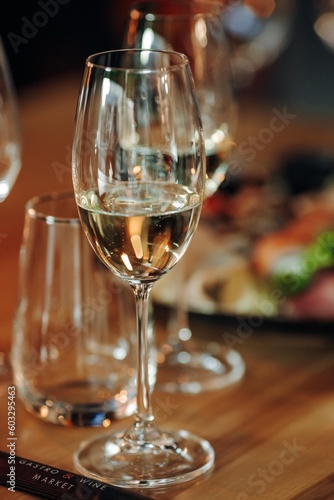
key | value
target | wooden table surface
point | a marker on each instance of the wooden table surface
(273, 433)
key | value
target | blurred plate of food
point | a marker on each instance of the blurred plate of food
(271, 251)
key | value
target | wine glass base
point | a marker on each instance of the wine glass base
(197, 370)
(170, 459)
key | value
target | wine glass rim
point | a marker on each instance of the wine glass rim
(183, 60)
(141, 8)
(52, 216)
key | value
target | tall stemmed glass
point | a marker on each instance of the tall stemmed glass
(195, 28)
(139, 179)
(10, 143)
(10, 151)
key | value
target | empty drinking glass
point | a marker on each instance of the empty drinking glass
(75, 329)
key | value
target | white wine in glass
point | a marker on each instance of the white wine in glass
(139, 181)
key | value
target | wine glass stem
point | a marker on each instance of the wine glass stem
(178, 325)
(144, 415)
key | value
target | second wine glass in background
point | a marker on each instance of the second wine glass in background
(196, 29)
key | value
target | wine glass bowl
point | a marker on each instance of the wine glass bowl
(162, 225)
(139, 180)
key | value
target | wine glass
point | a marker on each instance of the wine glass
(195, 28)
(324, 21)
(139, 180)
(10, 152)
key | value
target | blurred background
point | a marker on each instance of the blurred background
(283, 62)
(44, 38)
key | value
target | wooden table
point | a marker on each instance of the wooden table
(273, 433)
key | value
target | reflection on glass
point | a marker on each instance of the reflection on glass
(10, 153)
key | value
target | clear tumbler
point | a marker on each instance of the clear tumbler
(74, 323)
